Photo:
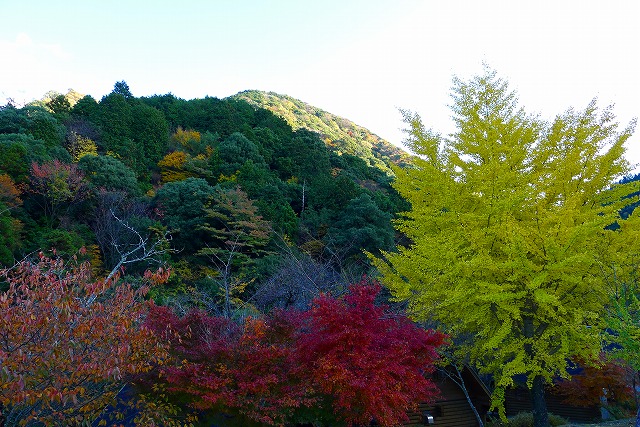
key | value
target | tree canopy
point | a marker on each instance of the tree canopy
(509, 217)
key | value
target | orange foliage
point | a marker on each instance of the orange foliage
(68, 343)
(9, 191)
(587, 387)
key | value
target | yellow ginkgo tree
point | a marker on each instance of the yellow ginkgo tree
(509, 217)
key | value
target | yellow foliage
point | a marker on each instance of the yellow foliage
(79, 146)
(509, 229)
(175, 160)
(185, 271)
(184, 137)
(172, 167)
(313, 248)
(95, 259)
(228, 178)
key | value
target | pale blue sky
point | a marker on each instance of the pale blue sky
(358, 59)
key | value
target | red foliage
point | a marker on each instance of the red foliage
(57, 180)
(59, 184)
(67, 343)
(226, 366)
(586, 388)
(372, 362)
(356, 359)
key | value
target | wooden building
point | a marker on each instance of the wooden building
(517, 400)
(452, 408)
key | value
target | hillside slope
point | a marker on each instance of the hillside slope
(340, 134)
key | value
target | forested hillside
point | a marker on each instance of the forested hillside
(233, 194)
(145, 243)
(340, 134)
(171, 262)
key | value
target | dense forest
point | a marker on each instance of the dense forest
(232, 189)
(255, 260)
(340, 134)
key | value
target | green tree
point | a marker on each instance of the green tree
(108, 173)
(239, 235)
(128, 152)
(33, 120)
(9, 236)
(362, 225)
(182, 205)
(44, 126)
(151, 131)
(9, 226)
(172, 108)
(12, 120)
(86, 107)
(59, 106)
(309, 155)
(234, 151)
(508, 218)
(122, 88)
(115, 117)
(274, 205)
(13, 151)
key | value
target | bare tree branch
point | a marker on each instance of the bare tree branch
(144, 248)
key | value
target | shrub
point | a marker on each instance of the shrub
(525, 419)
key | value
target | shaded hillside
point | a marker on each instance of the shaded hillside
(340, 134)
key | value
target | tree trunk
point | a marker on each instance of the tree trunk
(539, 405)
(540, 413)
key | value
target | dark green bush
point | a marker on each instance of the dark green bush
(525, 419)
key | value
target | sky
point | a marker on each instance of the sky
(362, 60)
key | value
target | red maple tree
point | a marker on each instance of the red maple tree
(370, 361)
(345, 359)
(242, 369)
(611, 379)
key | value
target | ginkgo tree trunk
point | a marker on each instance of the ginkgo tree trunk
(508, 216)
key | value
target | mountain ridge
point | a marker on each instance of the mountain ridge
(339, 134)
